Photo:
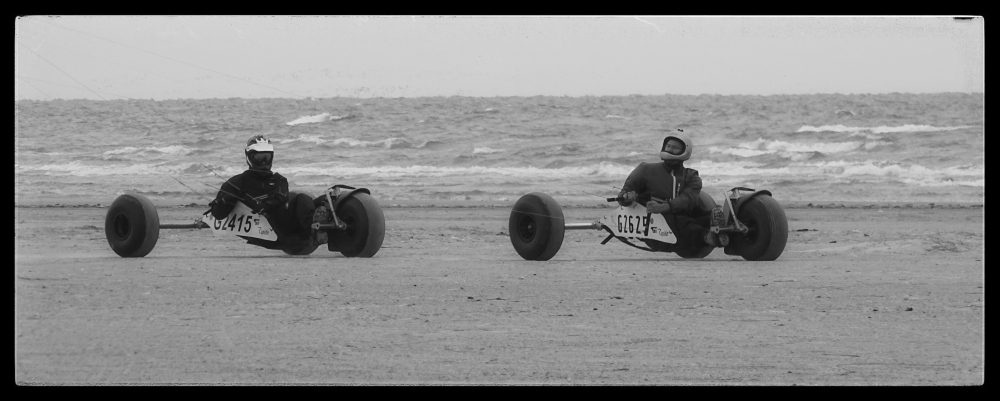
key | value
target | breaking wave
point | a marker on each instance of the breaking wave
(880, 129)
(486, 151)
(793, 150)
(321, 118)
(175, 150)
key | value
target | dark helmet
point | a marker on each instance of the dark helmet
(259, 153)
(680, 136)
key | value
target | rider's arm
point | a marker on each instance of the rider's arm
(690, 198)
(635, 182)
(227, 197)
(279, 195)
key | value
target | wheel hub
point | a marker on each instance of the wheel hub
(526, 228)
(122, 227)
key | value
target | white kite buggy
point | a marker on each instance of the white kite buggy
(754, 221)
(356, 228)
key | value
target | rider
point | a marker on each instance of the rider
(675, 191)
(265, 191)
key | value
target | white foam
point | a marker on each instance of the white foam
(304, 138)
(384, 143)
(915, 128)
(321, 118)
(179, 150)
(602, 169)
(486, 151)
(868, 136)
(78, 169)
(796, 151)
(880, 129)
(359, 143)
(966, 175)
(618, 117)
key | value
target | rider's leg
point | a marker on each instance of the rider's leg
(690, 231)
(301, 208)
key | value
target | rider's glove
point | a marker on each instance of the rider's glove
(270, 204)
(626, 198)
(657, 206)
(255, 207)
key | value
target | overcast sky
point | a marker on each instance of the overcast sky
(161, 57)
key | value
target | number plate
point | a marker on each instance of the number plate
(632, 222)
(241, 221)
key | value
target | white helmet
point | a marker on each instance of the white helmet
(680, 136)
(259, 153)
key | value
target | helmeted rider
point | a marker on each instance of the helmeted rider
(266, 192)
(673, 190)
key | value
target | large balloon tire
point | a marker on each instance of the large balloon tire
(707, 204)
(365, 226)
(301, 248)
(536, 226)
(132, 226)
(768, 229)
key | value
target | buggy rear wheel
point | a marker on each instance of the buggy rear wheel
(707, 204)
(536, 226)
(303, 246)
(132, 226)
(768, 229)
(365, 227)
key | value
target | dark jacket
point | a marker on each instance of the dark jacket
(260, 190)
(680, 186)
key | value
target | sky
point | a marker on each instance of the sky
(200, 57)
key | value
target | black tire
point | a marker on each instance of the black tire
(768, 229)
(536, 226)
(707, 204)
(300, 248)
(132, 226)
(365, 226)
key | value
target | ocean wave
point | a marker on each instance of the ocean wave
(486, 151)
(321, 118)
(969, 175)
(303, 138)
(177, 150)
(422, 171)
(78, 169)
(966, 175)
(880, 129)
(794, 151)
(388, 143)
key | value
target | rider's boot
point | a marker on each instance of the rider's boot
(321, 215)
(713, 237)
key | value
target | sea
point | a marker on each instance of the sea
(825, 148)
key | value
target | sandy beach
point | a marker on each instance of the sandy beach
(865, 296)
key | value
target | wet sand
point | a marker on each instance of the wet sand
(861, 296)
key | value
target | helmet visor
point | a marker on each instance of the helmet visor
(673, 146)
(261, 158)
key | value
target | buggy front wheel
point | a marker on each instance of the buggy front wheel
(536, 226)
(132, 226)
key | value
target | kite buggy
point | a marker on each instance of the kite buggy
(753, 220)
(355, 229)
